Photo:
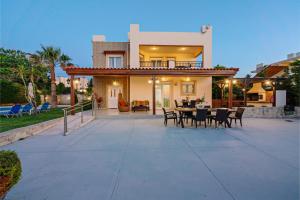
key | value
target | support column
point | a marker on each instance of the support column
(153, 95)
(230, 93)
(274, 94)
(128, 89)
(72, 93)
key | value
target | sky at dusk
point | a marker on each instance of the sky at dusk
(245, 33)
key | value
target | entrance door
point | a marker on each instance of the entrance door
(163, 95)
(112, 98)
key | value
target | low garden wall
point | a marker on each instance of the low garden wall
(24, 132)
(269, 112)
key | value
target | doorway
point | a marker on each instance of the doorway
(112, 96)
(163, 95)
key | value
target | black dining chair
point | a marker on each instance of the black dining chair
(192, 104)
(169, 115)
(176, 104)
(238, 115)
(185, 103)
(220, 117)
(201, 115)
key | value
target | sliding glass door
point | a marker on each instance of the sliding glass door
(163, 95)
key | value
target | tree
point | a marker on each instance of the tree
(294, 83)
(17, 68)
(52, 56)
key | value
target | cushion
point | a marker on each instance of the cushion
(122, 103)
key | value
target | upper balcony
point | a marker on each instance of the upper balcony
(171, 56)
(171, 64)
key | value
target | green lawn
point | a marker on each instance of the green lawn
(26, 120)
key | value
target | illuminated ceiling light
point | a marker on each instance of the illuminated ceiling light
(115, 83)
(268, 82)
(188, 79)
(149, 81)
(156, 81)
(234, 81)
(227, 81)
(154, 48)
(163, 79)
(182, 49)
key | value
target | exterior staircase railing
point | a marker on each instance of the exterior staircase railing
(79, 107)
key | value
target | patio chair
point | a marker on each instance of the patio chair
(176, 104)
(123, 106)
(27, 109)
(44, 107)
(208, 112)
(201, 115)
(238, 115)
(185, 103)
(192, 104)
(220, 117)
(14, 111)
(169, 115)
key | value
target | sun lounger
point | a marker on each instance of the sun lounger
(14, 111)
(27, 109)
(44, 107)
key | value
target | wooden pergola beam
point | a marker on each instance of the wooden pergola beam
(151, 71)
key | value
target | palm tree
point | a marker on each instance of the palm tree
(52, 56)
(64, 60)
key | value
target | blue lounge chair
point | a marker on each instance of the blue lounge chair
(27, 109)
(14, 111)
(44, 107)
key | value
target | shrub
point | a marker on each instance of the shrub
(10, 171)
(11, 92)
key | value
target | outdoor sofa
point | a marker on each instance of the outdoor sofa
(140, 105)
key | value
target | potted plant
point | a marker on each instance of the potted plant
(10, 171)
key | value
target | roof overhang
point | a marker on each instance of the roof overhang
(100, 71)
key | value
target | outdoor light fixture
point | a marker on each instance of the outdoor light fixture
(149, 81)
(153, 48)
(156, 81)
(182, 48)
(227, 81)
(163, 79)
(115, 83)
(243, 89)
(188, 79)
(268, 82)
(234, 81)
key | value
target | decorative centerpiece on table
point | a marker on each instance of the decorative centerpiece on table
(200, 102)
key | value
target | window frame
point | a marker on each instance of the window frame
(108, 56)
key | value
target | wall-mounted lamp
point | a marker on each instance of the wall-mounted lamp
(115, 83)
(268, 82)
(234, 81)
(226, 81)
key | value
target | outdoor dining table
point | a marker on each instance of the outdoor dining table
(185, 110)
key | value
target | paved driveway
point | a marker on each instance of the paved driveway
(140, 159)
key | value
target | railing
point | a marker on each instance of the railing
(77, 107)
(171, 64)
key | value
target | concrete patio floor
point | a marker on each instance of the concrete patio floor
(140, 159)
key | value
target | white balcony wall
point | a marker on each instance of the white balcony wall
(137, 38)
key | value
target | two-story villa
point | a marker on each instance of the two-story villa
(156, 66)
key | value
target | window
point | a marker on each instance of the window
(156, 62)
(188, 88)
(114, 61)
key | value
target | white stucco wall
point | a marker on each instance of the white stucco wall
(140, 89)
(137, 38)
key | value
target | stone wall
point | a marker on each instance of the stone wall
(269, 112)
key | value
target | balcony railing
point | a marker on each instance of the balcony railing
(171, 64)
